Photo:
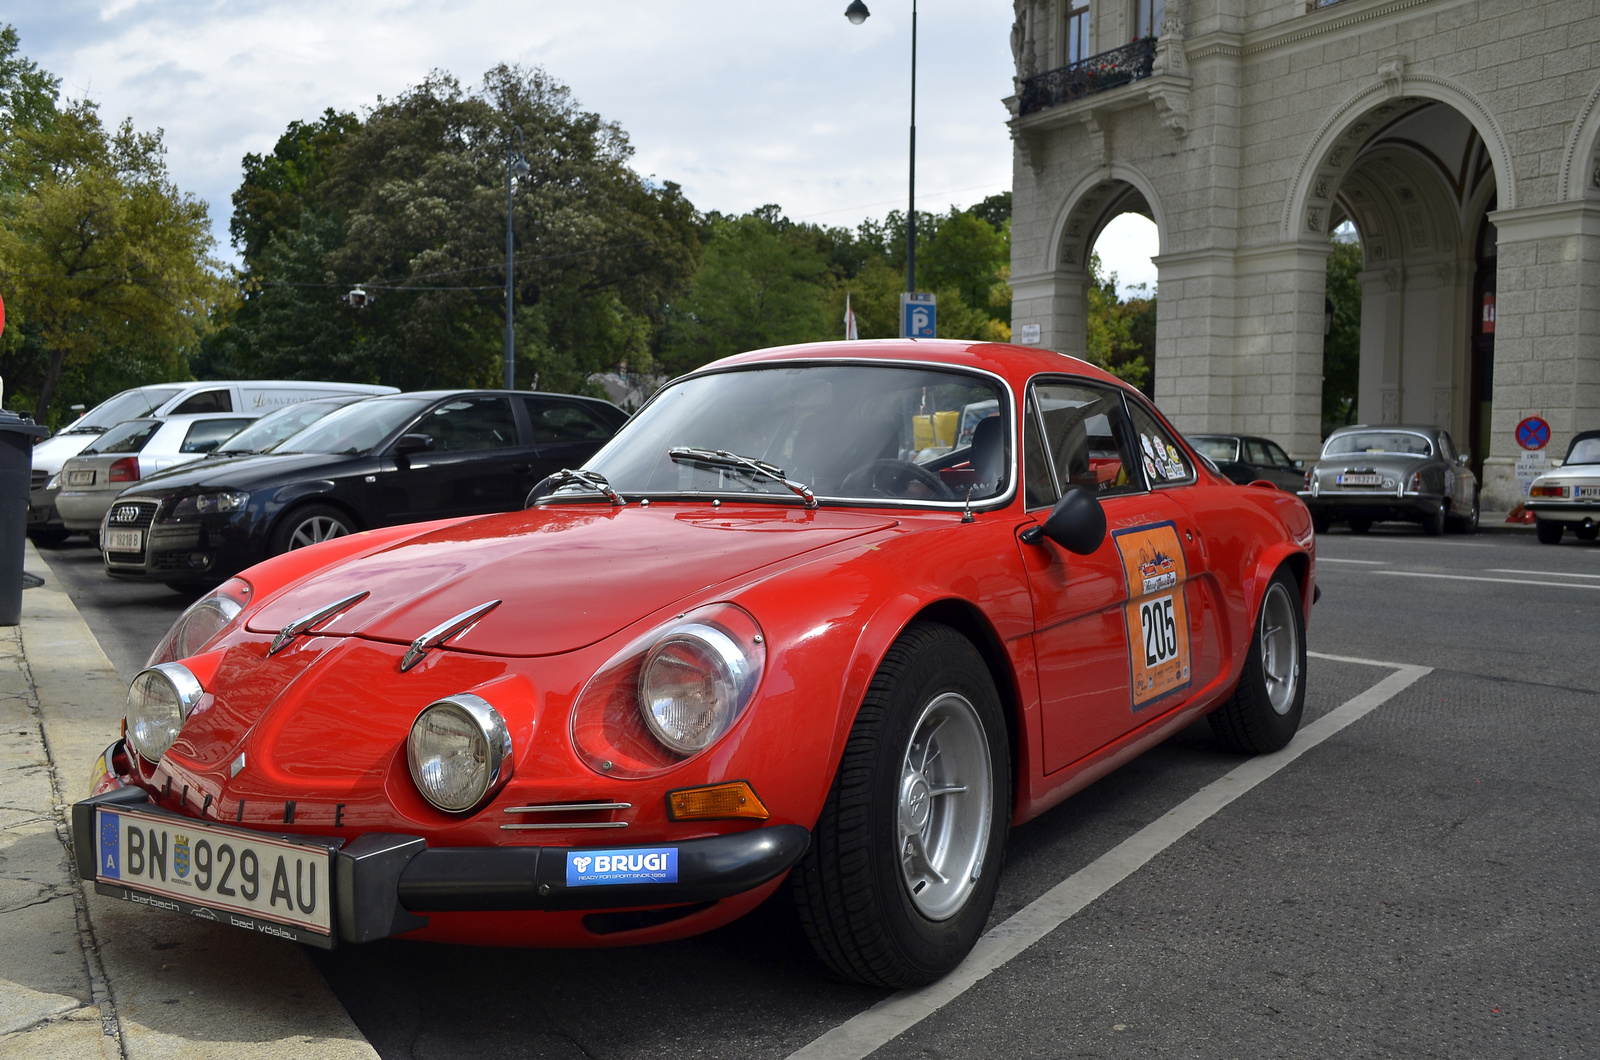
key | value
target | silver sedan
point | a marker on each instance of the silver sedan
(1405, 473)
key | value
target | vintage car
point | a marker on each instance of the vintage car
(1246, 458)
(747, 642)
(1568, 498)
(1402, 473)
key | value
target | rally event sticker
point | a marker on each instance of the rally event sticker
(589, 868)
(1158, 620)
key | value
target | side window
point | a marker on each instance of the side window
(561, 421)
(1085, 440)
(1164, 463)
(1279, 457)
(1258, 453)
(206, 401)
(206, 435)
(468, 424)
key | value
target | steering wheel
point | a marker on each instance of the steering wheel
(891, 478)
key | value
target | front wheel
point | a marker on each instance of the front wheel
(905, 858)
(1264, 711)
(310, 525)
(1549, 531)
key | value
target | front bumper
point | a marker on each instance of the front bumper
(386, 884)
(206, 549)
(1379, 507)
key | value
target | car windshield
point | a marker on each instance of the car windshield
(130, 404)
(1585, 451)
(129, 437)
(845, 431)
(1217, 449)
(279, 424)
(1398, 443)
(355, 429)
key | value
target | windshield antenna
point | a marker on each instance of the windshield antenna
(966, 511)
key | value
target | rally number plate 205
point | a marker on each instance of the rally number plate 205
(266, 884)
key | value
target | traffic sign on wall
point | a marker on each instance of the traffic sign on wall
(1533, 433)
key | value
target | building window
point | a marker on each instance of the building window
(1147, 18)
(1077, 31)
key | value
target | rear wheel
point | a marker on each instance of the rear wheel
(1265, 709)
(1319, 523)
(1549, 531)
(1467, 524)
(310, 525)
(1360, 525)
(905, 858)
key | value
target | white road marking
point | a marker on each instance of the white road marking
(1471, 578)
(1546, 573)
(1369, 562)
(869, 1031)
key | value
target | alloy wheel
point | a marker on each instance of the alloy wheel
(1280, 648)
(944, 806)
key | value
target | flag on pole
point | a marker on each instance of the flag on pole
(849, 319)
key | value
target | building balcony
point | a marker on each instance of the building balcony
(1098, 73)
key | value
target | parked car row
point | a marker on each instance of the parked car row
(191, 498)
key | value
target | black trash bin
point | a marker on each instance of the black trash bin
(17, 435)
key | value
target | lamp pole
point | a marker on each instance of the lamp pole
(857, 13)
(516, 165)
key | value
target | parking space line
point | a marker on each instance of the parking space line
(1473, 578)
(1546, 573)
(1367, 562)
(869, 1031)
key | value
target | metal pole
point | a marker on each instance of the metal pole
(510, 352)
(911, 209)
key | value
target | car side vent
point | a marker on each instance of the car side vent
(566, 810)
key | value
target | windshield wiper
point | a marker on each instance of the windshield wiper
(722, 458)
(566, 476)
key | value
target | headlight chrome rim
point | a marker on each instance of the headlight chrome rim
(149, 735)
(730, 675)
(494, 768)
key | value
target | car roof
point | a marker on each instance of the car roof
(1014, 363)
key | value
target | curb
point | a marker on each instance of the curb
(86, 976)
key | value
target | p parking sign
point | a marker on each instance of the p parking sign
(918, 315)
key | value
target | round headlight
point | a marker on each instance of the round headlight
(202, 622)
(159, 701)
(460, 752)
(692, 686)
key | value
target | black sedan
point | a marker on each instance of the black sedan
(1245, 459)
(393, 459)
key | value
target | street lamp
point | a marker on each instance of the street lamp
(516, 166)
(857, 13)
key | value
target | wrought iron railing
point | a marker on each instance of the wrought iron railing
(1119, 66)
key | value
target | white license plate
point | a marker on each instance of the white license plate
(260, 883)
(1360, 480)
(80, 478)
(124, 540)
(1586, 491)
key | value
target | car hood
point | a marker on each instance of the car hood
(244, 473)
(566, 575)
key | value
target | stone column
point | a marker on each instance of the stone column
(1281, 312)
(1547, 332)
(1195, 318)
(1057, 302)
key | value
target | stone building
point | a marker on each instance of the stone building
(1460, 137)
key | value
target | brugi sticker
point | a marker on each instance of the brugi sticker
(588, 868)
(1158, 620)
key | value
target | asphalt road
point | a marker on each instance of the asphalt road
(1420, 884)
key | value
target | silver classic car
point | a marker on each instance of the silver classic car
(1568, 498)
(1372, 474)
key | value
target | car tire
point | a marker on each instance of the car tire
(1360, 525)
(1586, 533)
(1549, 531)
(1466, 524)
(1320, 523)
(1433, 522)
(876, 906)
(1264, 712)
(309, 525)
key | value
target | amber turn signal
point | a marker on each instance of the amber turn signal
(734, 799)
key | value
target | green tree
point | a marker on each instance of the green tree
(28, 95)
(105, 262)
(1341, 348)
(1121, 333)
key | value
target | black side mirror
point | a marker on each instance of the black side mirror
(413, 443)
(1077, 523)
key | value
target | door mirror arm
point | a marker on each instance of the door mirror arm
(1077, 523)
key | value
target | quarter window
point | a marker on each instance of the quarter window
(1083, 441)
(206, 401)
(1164, 463)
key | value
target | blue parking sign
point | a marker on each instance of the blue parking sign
(918, 315)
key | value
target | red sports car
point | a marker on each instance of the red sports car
(760, 636)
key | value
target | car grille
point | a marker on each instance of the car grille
(38, 480)
(131, 515)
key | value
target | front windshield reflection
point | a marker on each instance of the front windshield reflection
(849, 432)
(354, 429)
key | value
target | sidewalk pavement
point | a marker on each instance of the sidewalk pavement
(92, 977)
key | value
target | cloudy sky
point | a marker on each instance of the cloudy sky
(742, 103)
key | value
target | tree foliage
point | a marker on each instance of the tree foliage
(1122, 332)
(104, 262)
(1341, 349)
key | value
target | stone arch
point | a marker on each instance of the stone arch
(1331, 152)
(1580, 163)
(1092, 204)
